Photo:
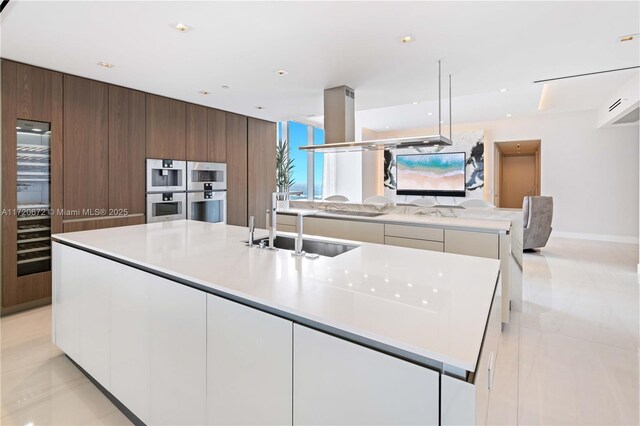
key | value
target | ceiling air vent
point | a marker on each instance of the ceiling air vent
(615, 104)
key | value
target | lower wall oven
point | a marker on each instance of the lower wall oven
(166, 206)
(207, 206)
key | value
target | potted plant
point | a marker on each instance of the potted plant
(284, 173)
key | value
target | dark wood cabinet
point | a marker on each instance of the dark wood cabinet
(86, 146)
(126, 150)
(166, 128)
(28, 93)
(217, 135)
(261, 168)
(236, 135)
(197, 149)
(100, 137)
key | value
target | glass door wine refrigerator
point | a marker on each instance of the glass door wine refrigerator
(33, 178)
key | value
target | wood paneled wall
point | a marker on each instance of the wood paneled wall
(237, 191)
(101, 135)
(261, 168)
(36, 94)
(86, 145)
(126, 150)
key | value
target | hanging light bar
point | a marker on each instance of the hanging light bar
(395, 143)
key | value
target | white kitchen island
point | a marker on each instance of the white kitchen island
(184, 324)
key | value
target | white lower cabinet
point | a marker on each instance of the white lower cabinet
(249, 358)
(471, 243)
(81, 296)
(140, 336)
(341, 383)
(178, 353)
(130, 340)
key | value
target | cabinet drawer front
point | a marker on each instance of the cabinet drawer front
(411, 243)
(345, 229)
(287, 228)
(341, 383)
(471, 243)
(249, 359)
(415, 232)
(286, 219)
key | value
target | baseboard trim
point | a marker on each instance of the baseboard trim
(596, 237)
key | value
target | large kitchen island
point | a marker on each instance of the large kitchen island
(182, 323)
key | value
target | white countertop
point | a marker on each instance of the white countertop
(490, 225)
(430, 305)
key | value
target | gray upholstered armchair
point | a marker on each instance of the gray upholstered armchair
(538, 213)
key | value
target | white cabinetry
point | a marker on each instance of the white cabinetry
(338, 382)
(468, 403)
(140, 336)
(81, 295)
(130, 340)
(249, 358)
(178, 353)
(368, 232)
(471, 243)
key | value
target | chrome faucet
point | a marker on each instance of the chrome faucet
(299, 240)
(274, 203)
(252, 226)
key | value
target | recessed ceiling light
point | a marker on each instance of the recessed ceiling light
(407, 39)
(105, 64)
(204, 92)
(504, 90)
(259, 107)
(441, 122)
(424, 302)
(386, 127)
(508, 115)
(36, 130)
(181, 27)
(429, 113)
(225, 87)
(415, 102)
(282, 72)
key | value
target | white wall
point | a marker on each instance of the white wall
(591, 173)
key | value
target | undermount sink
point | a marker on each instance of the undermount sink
(349, 213)
(322, 248)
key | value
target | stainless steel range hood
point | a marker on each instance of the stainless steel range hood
(340, 118)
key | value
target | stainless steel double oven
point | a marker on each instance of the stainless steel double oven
(207, 192)
(166, 190)
(180, 190)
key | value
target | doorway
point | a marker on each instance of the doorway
(517, 171)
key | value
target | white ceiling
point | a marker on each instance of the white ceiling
(485, 45)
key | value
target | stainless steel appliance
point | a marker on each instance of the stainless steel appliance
(206, 176)
(166, 175)
(207, 196)
(166, 206)
(207, 206)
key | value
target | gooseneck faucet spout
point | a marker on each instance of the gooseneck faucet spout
(251, 230)
(299, 240)
(274, 203)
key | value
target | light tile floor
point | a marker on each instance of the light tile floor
(570, 357)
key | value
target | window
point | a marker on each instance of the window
(299, 136)
(308, 168)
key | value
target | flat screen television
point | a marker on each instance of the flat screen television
(435, 174)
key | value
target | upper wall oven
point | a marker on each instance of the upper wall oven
(166, 175)
(206, 176)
